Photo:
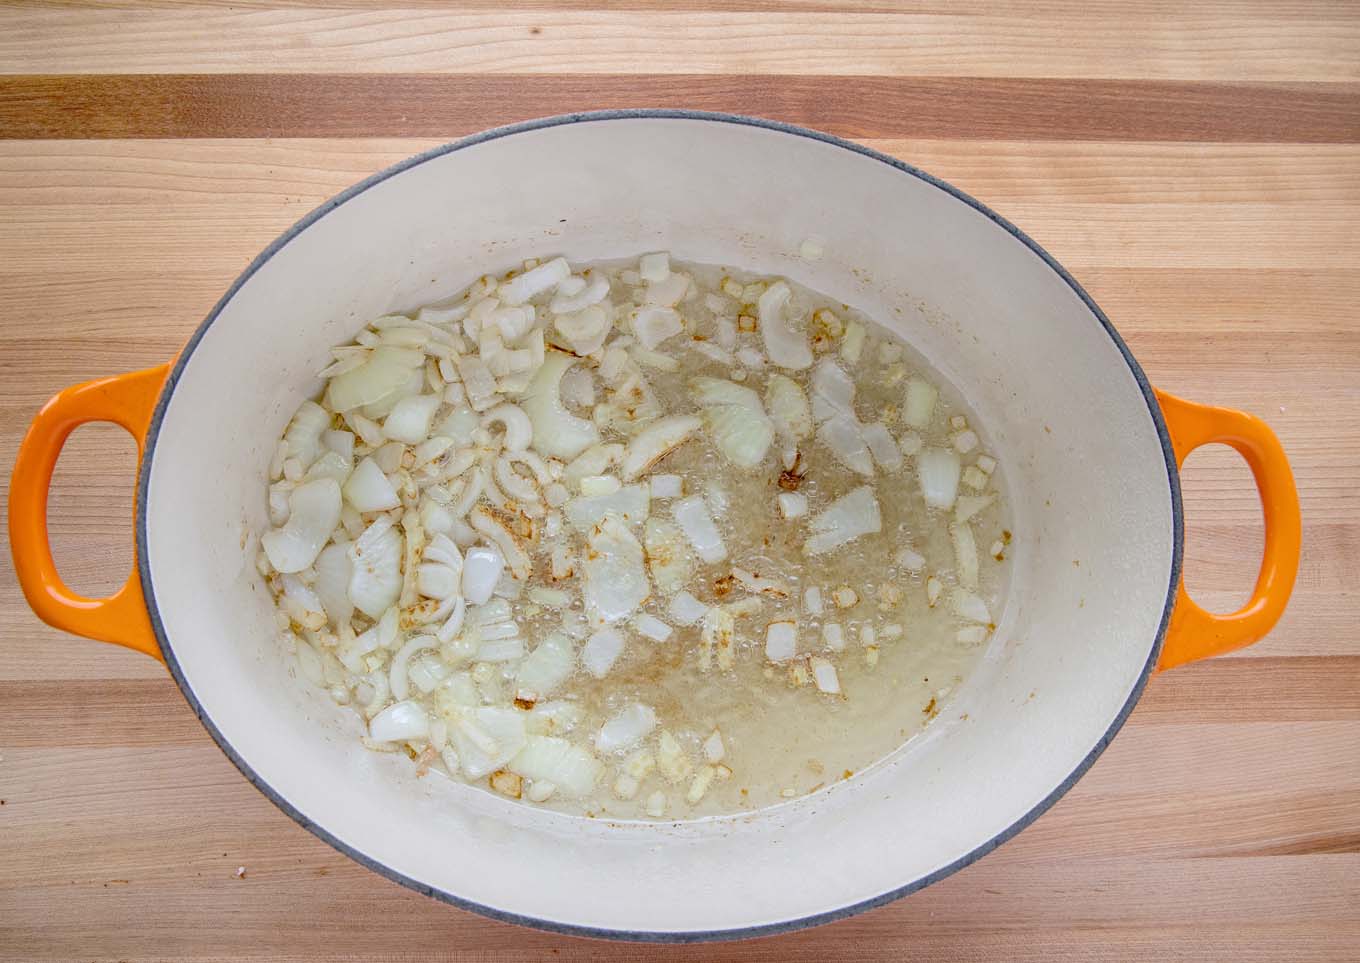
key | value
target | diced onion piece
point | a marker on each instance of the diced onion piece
(656, 804)
(631, 504)
(965, 554)
(788, 407)
(671, 759)
(986, 464)
(910, 559)
(554, 718)
(571, 769)
(812, 601)
(833, 637)
(694, 520)
(556, 432)
(653, 324)
(965, 441)
(686, 609)
(333, 569)
(586, 330)
(938, 471)
(615, 576)
(933, 588)
(920, 403)
(486, 523)
(397, 672)
(601, 651)
(824, 675)
(712, 392)
(846, 519)
(781, 641)
(313, 514)
(547, 666)
(655, 267)
(833, 392)
(845, 597)
(969, 605)
(482, 567)
(713, 747)
(534, 282)
(969, 505)
(669, 291)
(519, 430)
(882, 446)
(974, 478)
(699, 786)
(786, 347)
(650, 627)
(375, 577)
(304, 431)
(570, 302)
(487, 738)
(792, 504)
(387, 370)
(409, 419)
(500, 650)
(594, 485)
(369, 490)
(852, 344)
(435, 581)
(844, 437)
(626, 728)
(741, 434)
(655, 442)
(667, 486)
(399, 722)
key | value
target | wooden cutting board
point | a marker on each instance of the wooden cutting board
(1197, 167)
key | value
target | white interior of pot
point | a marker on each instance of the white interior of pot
(1087, 480)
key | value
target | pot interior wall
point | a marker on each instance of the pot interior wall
(1087, 477)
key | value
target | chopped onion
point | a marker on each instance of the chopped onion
(969, 505)
(669, 291)
(833, 637)
(596, 485)
(482, 567)
(843, 436)
(484, 522)
(969, 605)
(824, 675)
(686, 609)
(385, 372)
(711, 392)
(532, 283)
(920, 403)
(655, 442)
(500, 650)
(882, 446)
(694, 520)
(487, 738)
(626, 728)
(303, 434)
(556, 432)
(409, 420)
(631, 504)
(833, 392)
(965, 554)
(786, 347)
(615, 577)
(397, 672)
(369, 490)
(547, 666)
(781, 641)
(653, 324)
(812, 601)
(589, 294)
(938, 471)
(601, 650)
(333, 569)
(844, 520)
(650, 627)
(788, 407)
(313, 514)
(910, 559)
(742, 434)
(667, 486)
(655, 267)
(571, 769)
(399, 722)
(792, 504)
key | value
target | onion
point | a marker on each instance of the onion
(788, 407)
(570, 302)
(969, 605)
(626, 728)
(556, 432)
(842, 435)
(369, 490)
(554, 718)
(313, 514)
(519, 431)
(742, 435)
(534, 282)
(920, 403)
(667, 486)
(833, 392)
(792, 504)
(615, 579)
(844, 520)
(781, 641)
(385, 372)
(397, 672)
(500, 650)
(650, 627)
(482, 567)
(653, 325)
(342, 442)
(669, 291)
(399, 722)
(375, 578)
(303, 434)
(330, 465)
(824, 675)
(333, 569)
(487, 738)
(882, 446)
(694, 520)
(786, 348)
(547, 666)
(711, 392)
(484, 522)
(965, 554)
(631, 504)
(969, 505)
(938, 470)
(571, 769)
(409, 420)
(668, 557)
(655, 267)
(655, 442)
(601, 650)
(586, 330)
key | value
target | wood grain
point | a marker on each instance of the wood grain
(423, 105)
(1198, 168)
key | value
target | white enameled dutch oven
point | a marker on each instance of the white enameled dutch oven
(1090, 449)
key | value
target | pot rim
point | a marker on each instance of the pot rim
(652, 936)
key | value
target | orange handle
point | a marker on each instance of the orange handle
(127, 400)
(1194, 633)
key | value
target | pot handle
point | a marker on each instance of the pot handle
(127, 400)
(1195, 633)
